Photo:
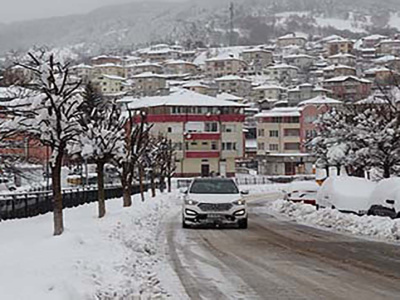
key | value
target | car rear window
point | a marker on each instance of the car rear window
(214, 186)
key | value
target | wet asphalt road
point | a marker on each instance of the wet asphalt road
(275, 259)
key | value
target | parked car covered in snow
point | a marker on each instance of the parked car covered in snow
(346, 193)
(302, 191)
(385, 198)
(214, 201)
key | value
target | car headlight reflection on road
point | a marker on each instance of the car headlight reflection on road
(239, 202)
(191, 202)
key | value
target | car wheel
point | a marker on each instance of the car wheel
(243, 223)
(317, 206)
(184, 225)
(398, 215)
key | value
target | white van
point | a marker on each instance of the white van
(346, 193)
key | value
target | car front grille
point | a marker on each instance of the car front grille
(215, 206)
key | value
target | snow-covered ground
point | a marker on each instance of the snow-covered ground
(367, 226)
(117, 257)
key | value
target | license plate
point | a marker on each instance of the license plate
(214, 216)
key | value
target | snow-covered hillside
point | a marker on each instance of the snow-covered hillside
(120, 27)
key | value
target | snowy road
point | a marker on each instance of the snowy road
(277, 259)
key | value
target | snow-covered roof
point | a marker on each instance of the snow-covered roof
(148, 64)
(232, 77)
(293, 36)
(256, 49)
(229, 97)
(82, 66)
(342, 55)
(148, 75)
(269, 87)
(194, 84)
(374, 37)
(344, 78)
(180, 98)
(113, 77)
(223, 58)
(282, 66)
(376, 70)
(178, 62)
(386, 59)
(339, 66)
(108, 65)
(319, 100)
(280, 112)
(298, 56)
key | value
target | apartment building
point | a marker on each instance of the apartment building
(301, 61)
(235, 85)
(388, 47)
(106, 59)
(201, 88)
(282, 134)
(257, 60)
(303, 92)
(382, 76)
(342, 59)
(109, 69)
(207, 133)
(223, 66)
(282, 73)
(149, 84)
(109, 84)
(348, 88)
(180, 67)
(291, 40)
(338, 70)
(337, 46)
(268, 91)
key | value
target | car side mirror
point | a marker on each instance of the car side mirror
(245, 192)
(183, 191)
(390, 202)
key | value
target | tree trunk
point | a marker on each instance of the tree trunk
(153, 184)
(100, 187)
(162, 183)
(386, 171)
(141, 182)
(126, 187)
(57, 196)
(169, 184)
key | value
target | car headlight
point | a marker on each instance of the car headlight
(191, 202)
(239, 202)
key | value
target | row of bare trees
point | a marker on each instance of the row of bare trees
(77, 122)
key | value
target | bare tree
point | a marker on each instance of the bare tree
(50, 114)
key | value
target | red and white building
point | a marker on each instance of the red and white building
(207, 132)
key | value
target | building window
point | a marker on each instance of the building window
(273, 133)
(292, 146)
(214, 145)
(211, 127)
(228, 146)
(261, 146)
(292, 132)
(169, 129)
(261, 132)
(273, 147)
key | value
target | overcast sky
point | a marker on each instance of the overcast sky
(18, 10)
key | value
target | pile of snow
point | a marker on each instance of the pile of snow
(368, 226)
(118, 257)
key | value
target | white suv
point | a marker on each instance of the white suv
(214, 201)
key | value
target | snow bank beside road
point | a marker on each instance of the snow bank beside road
(118, 256)
(368, 226)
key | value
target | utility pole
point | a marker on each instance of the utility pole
(232, 14)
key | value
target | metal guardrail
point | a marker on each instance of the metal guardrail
(25, 205)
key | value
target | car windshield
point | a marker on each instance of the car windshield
(214, 186)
